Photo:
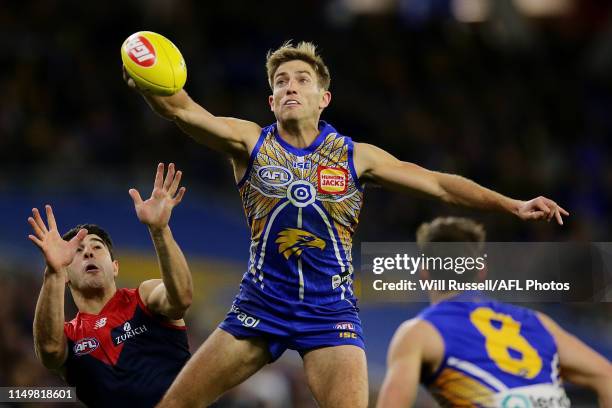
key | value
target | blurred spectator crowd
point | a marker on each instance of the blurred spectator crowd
(519, 105)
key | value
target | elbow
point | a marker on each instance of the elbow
(51, 356)
(184, 301)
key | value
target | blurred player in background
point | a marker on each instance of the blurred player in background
(470, 350)
(125, 346)
(301, 184)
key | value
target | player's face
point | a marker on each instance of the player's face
(92, 268)
(297, 95)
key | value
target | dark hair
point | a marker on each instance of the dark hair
(92, 229)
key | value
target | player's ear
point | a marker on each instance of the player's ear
(325, 100)
(115, 268)
(271, 102)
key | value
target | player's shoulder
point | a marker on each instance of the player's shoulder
(416, 332)
(416, 328)
(419, 338)
(549, 324)
(146, 287)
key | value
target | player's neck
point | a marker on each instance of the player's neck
(92, 302)
(436, 296)
(299, 134)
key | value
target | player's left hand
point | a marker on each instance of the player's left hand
(155, 211)
(541, 208)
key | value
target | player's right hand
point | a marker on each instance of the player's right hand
(58, 253)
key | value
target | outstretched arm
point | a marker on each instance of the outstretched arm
(171, 296)
(376, 165)
(49, 338)
(235, 137)
(580, 364)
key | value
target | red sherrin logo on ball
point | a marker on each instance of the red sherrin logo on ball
(141, 51)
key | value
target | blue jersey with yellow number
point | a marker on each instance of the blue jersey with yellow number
(496, 355)
(302, 206)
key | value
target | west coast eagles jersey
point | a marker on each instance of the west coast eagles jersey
(496, 355)
(302, 206)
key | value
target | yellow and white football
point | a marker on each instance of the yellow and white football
(154, 63)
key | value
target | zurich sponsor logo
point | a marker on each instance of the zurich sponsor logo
(275, 175)
(85, 346)
(129, 332)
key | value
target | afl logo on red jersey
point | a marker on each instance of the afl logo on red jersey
(85, 346)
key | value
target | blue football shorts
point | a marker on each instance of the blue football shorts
(301, 330)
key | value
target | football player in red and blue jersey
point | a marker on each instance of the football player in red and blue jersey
(301, 184)
(472, 351)
(125, 346)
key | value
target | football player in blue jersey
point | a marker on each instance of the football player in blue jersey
(301, 184)
(125, 346)
(470, 350)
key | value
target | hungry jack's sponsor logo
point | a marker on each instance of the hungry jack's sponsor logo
(332, 180)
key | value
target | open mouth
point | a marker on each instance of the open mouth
(292, 102)
(92, 268)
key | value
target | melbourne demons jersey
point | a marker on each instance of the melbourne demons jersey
(496, 355)
(302, 206)
(123, 356)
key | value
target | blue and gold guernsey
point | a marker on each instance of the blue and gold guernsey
(496, 355)
(302, 207)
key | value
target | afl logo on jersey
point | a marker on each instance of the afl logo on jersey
(332, 180)
(275, 175)
(85, 346)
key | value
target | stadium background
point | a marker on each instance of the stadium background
(513, 94)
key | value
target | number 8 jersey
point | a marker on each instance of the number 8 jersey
(496, 355)
(302, 206)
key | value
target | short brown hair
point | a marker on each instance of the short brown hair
(304, 51)
(451, 229)
(466, 238)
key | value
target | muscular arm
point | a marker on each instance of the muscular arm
(49, 338)
(235, 137)
(416, 344)
(172, 295)
(580, 364)
(376, 165)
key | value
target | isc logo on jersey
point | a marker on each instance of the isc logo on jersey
(141, 51)
(332, 180)
(85, 346)
(275, 175)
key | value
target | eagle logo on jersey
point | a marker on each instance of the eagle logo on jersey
(293, 241)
